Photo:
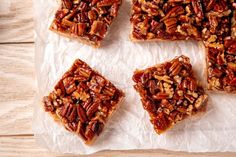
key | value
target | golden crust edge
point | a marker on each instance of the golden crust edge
(201, 111)
(60, 123)
(80, 39)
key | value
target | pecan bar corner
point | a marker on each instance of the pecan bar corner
(83, 101)
(169, 92)
(85, 20)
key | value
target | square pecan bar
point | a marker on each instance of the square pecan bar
(166, 20)
(219, 38)
(169, 92)
(83, 101)
(85, 20)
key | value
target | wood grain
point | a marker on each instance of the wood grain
(26, 146)
(17, 86)
(16, 21)
(21, 146)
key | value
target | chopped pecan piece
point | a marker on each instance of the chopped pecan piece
(85, 20)
(98, 28)
(83, 109)
(197, 7)
(78, 29)
(170, 96)
(67, 4)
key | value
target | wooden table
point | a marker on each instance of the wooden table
(17, 88)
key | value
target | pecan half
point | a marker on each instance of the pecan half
(98, 28)
(69, 85)
(82, 114)
(197, 6)
(48, 105)
(67, 4)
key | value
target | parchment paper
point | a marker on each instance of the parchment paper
(129, 128)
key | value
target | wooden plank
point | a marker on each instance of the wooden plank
(21, 146)
(16, 21)
(17, 87)
(26, 146)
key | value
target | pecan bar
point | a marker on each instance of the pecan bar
(220, 45)
(169, 92)
(166, 20)
(85, 20)
(83, 101)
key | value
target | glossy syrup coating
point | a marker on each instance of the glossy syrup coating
(169, 92)
(83, 101)
(85, 20)
(219, 39)
(166, 20)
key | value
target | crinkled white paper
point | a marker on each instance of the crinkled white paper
(117, 59)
